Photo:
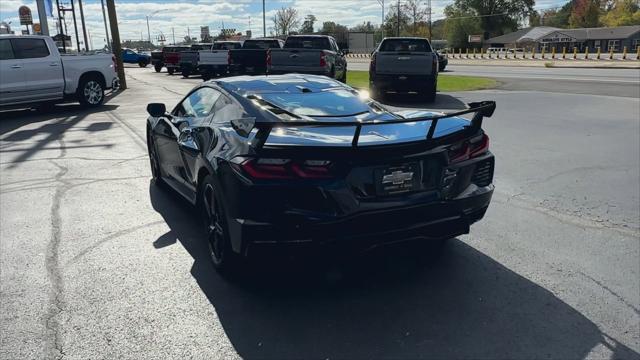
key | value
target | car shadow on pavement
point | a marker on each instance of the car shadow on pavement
(392, 303)
(443, 102)
(15, 119)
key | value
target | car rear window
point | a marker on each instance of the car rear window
(200, 47)
(321, 103)
(413, 45)
(226, 46)
(261, 44)
(318, 43)
(30, 48)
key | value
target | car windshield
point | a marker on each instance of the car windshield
(417, 45)
(331, 103)
(319, 43)
(261, 44)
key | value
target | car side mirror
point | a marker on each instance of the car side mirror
(156, 109)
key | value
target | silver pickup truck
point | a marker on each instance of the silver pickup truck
(403, 65)
(309, 54)
(32, 71)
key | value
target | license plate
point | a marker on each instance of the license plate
(402, 77)
(398, 179)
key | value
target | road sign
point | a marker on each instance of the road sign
(25, 15)
(475, 39)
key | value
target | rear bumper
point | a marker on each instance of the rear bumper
(402, 83)
(213, 68)
(275, 70)
(430, 221)
(241, 69)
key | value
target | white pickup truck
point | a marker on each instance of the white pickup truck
(32, 71)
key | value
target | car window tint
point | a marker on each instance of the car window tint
(30, 48)
(417, 45)
(322, 103)
(261, 44)
(319, 43)
(6, 51)
(199, 104)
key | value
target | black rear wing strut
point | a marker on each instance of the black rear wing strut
(480, 109)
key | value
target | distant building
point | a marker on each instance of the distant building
(614, 38)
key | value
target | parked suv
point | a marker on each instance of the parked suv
(403, 65)
(131, 57)
(32, 71)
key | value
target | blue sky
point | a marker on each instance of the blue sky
(181, 16)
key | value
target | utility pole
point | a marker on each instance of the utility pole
(429, 15)
(106, 30)
(75, 25)
(84, 26)
(61, 32)
(174, 35)
(381, 2)
(398, 18)
(42, 14)
(117, 47)
(264, 20)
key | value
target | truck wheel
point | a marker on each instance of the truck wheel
(206, 76)
(430, 93)
(90, 92)
(158, 68)
(143, 63)
(343, 78)
(186, 72)
(170, 71)
(374, 92)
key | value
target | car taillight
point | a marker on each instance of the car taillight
(323, 60)
(279, 169)
(469, 149)
(434, 64)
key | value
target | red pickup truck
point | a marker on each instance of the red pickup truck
(172, 57)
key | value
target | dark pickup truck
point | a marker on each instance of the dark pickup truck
(403, 65)
(310, 54)
(252, 58)
(157, 60)
(172, 56)
(189, 59)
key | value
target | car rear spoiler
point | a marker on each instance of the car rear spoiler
(480, 109)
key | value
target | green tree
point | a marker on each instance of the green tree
(585, 13)
(535, 18)
(307, 25)
(391, 22)
(622, 13)
(459, 25)
(495, 16)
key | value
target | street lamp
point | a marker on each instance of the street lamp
(381, 2)
(148, 17)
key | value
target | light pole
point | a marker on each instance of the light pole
(381, 2)
(106, 31)
(264, 20)
(148, 17)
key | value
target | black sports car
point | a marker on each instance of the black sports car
(308, 161)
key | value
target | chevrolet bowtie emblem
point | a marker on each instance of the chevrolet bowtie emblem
(397, 177)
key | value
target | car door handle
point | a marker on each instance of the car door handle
(53, 64)
(16, 66)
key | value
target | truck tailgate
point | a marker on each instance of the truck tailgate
(295, 57)
(214, 57)
(410, 63)
(189, 57)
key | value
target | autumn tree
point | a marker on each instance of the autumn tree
(585, 13)
(621, 13)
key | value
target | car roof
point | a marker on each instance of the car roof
(246, 85)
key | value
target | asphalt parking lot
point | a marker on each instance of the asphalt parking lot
(96, 262)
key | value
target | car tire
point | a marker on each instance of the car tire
(156, 174)
(186, 72)
(225, 260)
(90, 91)
(170, 71)
(143, 64)
(158, 68)
(430, 93)
(375, 93)
(206, 76)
